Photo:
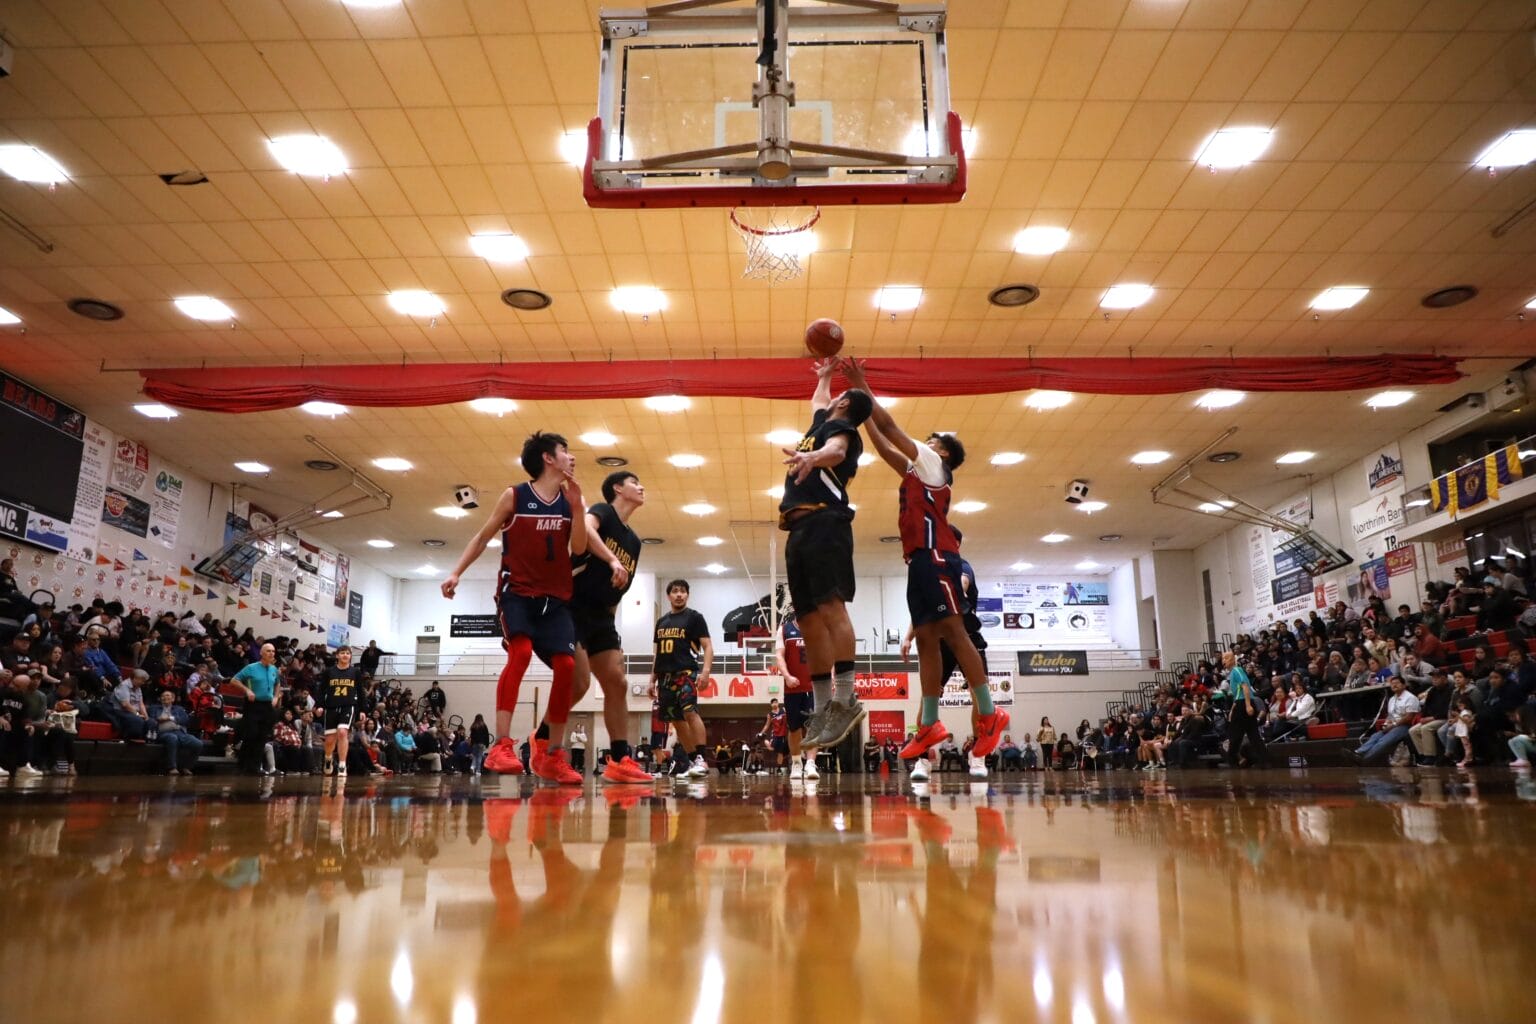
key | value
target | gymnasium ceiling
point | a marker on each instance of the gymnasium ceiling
(1088, 114)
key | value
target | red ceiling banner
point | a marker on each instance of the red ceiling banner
(266, 388)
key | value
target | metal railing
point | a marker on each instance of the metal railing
(728, 663)
(1418, 505)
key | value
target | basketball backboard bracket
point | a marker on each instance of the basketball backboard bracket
(697, 106)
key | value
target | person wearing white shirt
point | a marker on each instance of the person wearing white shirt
(577, 742)
(1401, 714)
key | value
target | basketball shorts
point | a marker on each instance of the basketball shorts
(797, 708)
(546, 621)
(948, 663)
(781, 744)
(595, 628)
(339, 718)
(934, 592)
(675, 691)
(818, 559)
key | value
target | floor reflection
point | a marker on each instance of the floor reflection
(1274, 897)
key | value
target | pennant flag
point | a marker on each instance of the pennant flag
(303, 624)
(117, 565)
(184, 585)
(169, 582)
(1476, 482)
(185, 571)
(139, 556)
(244, 592)
(263, 613)
(196, 591)
(103, 559)
(211, 593)
(287, 607)
(229, 601)
(286, 619)
(244, 606)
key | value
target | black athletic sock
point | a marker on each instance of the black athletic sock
(542, 733)
(701, 751)
(821, 686)
(842, 682)
(618, 749)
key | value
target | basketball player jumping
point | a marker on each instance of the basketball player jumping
(541, 522)
(935, 590)
(818, 556)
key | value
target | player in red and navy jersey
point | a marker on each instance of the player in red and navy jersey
(541, 522)
(935, 592)
(799, 696)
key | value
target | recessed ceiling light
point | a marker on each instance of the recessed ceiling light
(1388, 399)
(311, 155)
(1021, 566)
(1126, 296)
(1048, 399)
(686, 461)
(866, 459)
(1055, 538)
(798, 244)
(783, 436)
(1226, 503)
(1220, 399)
(1233, 147)
(776, 491)
(495, 406)
(1512, 150)
(427, 569)
(1209, 506)
(253, 467)
(334, 513)
(204, 307)
(393, 464)
(1291, 458)
(156, 411)
(898, 298)
(1086, 564)
(1339, 298)
(499, 247)
(969, 506)
(640, 299)
(1092, 506)
(668, 403)
(699, 508)
(1531, 304)
(1041, 241)
(886, 401)
(1150, 458)
(612, 461)
(7, 317)
(713, 568)
(415, 302)
(28, 163)
(1007, 458)
(324, 408)
(372, 3)
(451, 512)
(379, 542)
(710, 542)
(598, 438)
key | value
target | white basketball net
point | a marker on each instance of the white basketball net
(776, 238)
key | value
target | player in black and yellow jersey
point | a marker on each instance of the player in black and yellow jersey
(682, 638)
(338, 695)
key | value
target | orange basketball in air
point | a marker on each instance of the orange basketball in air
(824, 338)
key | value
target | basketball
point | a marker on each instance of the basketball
(824, 338)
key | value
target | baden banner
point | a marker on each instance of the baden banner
(1053, 663)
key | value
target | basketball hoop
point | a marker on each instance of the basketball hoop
(775, 244)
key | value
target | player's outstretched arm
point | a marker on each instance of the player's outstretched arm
(885, 448)
(497, 521)
(882, 427)
(822, 397)
(803, 464)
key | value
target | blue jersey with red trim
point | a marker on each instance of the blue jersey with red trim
(536, 546)
(923, 516)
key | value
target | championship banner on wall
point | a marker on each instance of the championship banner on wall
(1053, 663)
(1471, 485)
(886, 686)
(956, 694)
(888, 726)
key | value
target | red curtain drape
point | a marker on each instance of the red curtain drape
(264, 388)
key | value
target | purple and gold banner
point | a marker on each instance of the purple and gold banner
(1470, 485)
